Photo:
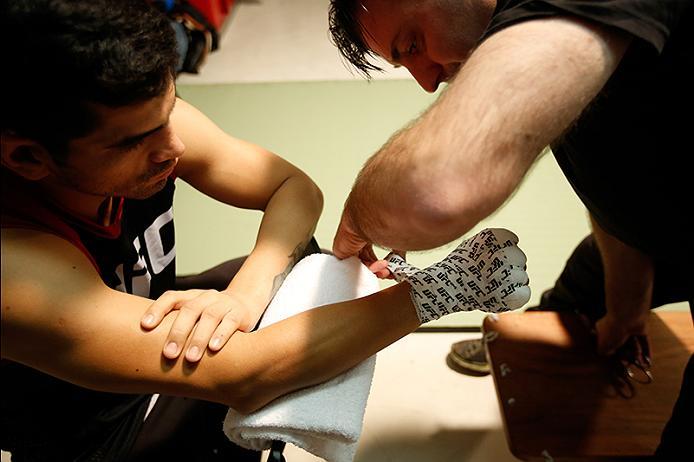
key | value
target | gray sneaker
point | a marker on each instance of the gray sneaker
(469, 357)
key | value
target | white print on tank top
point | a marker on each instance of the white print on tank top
(141, 274)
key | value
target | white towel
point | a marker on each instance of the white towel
(325, 419)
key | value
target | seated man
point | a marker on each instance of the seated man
(93, 139)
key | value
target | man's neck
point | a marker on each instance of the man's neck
(91, 207)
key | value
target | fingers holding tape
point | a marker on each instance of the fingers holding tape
(399, 267)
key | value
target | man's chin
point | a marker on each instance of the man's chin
(147, 191)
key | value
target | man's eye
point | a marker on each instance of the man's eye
(131, 146)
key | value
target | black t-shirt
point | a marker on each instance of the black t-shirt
(47, 419)
(629, 155)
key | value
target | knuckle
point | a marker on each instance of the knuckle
(189, 308)
(233, 318)
(180, 329)
(198, 341)
(212, 314)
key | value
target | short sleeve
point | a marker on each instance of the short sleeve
(649, 20)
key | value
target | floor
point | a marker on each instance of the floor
(419, 410)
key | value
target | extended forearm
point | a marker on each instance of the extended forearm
(250, 371)
(314, 346)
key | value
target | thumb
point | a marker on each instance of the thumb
(347, 242)
(399, 267)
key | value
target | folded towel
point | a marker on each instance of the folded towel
(325, 419)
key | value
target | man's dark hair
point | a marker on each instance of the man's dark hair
(348, 36)
(61, 55)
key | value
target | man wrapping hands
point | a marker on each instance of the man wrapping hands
(89, 166)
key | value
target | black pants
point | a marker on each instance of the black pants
(188, 429)
(581, 285)
(580, 288)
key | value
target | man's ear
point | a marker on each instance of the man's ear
(25, 157)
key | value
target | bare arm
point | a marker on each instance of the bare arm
(240, 174)
(464, 157)
(628, 292)
(59, 317)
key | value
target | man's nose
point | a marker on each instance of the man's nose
(427, 75)
(171, 148)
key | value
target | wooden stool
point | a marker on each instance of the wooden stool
(557, 396)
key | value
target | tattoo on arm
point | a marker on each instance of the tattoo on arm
(293, 258)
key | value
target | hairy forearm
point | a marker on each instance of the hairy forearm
(288, 223)
(460, 161)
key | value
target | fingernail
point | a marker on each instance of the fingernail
(171, 349)
(149, 320)
(193, 352)
(215, 342)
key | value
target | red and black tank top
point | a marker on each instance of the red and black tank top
(44, 418)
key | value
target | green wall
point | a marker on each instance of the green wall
(329, 129)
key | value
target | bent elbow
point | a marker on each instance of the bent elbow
(248, 402)
(443, 214)
(244, 407)
(316, 196)
(248, 392)
(311, 194)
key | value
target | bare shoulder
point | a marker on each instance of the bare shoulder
(184, 113)
(193, 126)
(44, 280)
(57, 314)
(41, 275)
(60, 318)
(46, 263)
(24, 249)
(202, 138)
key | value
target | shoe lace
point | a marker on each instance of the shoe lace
(473, 347)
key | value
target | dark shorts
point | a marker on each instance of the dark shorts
(581, 287)
(187, 429)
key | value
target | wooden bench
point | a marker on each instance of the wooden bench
(558, 398)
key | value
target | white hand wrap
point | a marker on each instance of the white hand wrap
(485, 272)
